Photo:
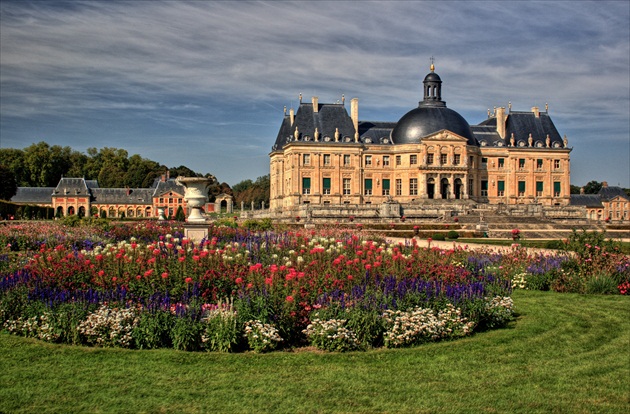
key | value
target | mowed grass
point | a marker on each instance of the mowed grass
(565, 353)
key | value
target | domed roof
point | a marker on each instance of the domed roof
(426, 120)
(430, 116)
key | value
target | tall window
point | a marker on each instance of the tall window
(443, 158)
(368, 160)
(346, 159)
(429, 159)
(501, 162)
(539, 188)
(326, 159)
(413, 186)
(484, 188)
(500, 188)
(521, 188)
(326, 185)
(471, 162)
(368, 186)
(398, 160)
(398, 186)
(346, 186)
(484, 162)
(470, 186)
(306, 185)
(456, 159)
(306, 159)
(385, 160)
(413, 159)
(539, 164)
(556, 164)
(386, 186)
(521, 163)
(556, 189)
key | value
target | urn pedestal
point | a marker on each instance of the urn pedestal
(196, 196)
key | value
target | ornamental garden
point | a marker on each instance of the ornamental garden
(144, 285)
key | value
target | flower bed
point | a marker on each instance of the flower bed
(261, 291)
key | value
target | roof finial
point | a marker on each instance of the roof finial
(432, 59)
(300, 97)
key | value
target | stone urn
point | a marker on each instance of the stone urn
(196, 195)
(161, 215)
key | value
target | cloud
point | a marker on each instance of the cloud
(186, 66)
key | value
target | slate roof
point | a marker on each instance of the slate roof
(586, 200)
(33, 195)
(521, 124)
(122, 196)
(73, 186)
(167, 186)
(610, 192)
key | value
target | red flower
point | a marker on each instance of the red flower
(188, 280)
(239, 280)
(164, 275)
(289, 298)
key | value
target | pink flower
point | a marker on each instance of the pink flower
(188, 280)
(239, 280)
(164, 275)
(289, 298)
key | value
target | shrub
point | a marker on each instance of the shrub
(109, 326)
(186, 334)
(554, 244)
(179, 215)
(439, 236)
(258, 225)
(540, 281)
(154, 330)
(499, 311)
(220, 331)
(453, 235)
(601, 284)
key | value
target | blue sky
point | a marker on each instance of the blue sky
(204, 83)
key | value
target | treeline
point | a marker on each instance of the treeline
(42, 165)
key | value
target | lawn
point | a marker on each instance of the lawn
(564, 353)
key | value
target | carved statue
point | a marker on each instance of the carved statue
(565, 141)
(548, 141)
(316, 134)
(512, 140)
(296, 134)
(336, 134)
(530, 140)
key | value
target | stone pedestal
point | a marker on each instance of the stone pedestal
(196, 232)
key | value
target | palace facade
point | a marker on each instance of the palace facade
(323, 155)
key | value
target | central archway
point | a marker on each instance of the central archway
(444, 187)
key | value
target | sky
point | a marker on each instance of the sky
(204, 83)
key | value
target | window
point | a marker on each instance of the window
(368, 160)
(443, 159)
(521, 188)
(346, 159)
(368, 186)
(161, 199)
(556, 188)
(179, 200)
(429, 159)
(456, 159)
(398, 186)
(556, 164)
(306, 159)
(413, 159)
(413, 186)
(326, 159)
(306, 185)
(484, 188)
(501, 162)
(170, 200)
(346, 186)
(521, 163)
(385, 160)
(398, 160)
(500, 188)
(470, 186)
(326, 185)
(386, 186)
(471, 161)
(539, 164)
(539, 188)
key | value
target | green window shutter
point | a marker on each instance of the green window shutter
(484, 185)
(306, 182)
(539, 185)
(521, 186)
(556, 186)
(326, 183)
(386, 184)
(368, 183)
(501, 185)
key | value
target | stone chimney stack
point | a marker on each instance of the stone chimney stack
(354, 113)
(292, 116)
(315, 104)
(536, 111)
(501, 121)
(604, 184)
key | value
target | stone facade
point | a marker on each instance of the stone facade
(323, 155)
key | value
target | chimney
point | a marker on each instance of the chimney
(604, 184)
(501, 121)
(315, 101)
(292, 116)
(354, 113)
(536, 111)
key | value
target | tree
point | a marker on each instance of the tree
(182, 171)
(179, 215)
(575, 189)
(8, 184)
(13, 159)
(592, 187)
